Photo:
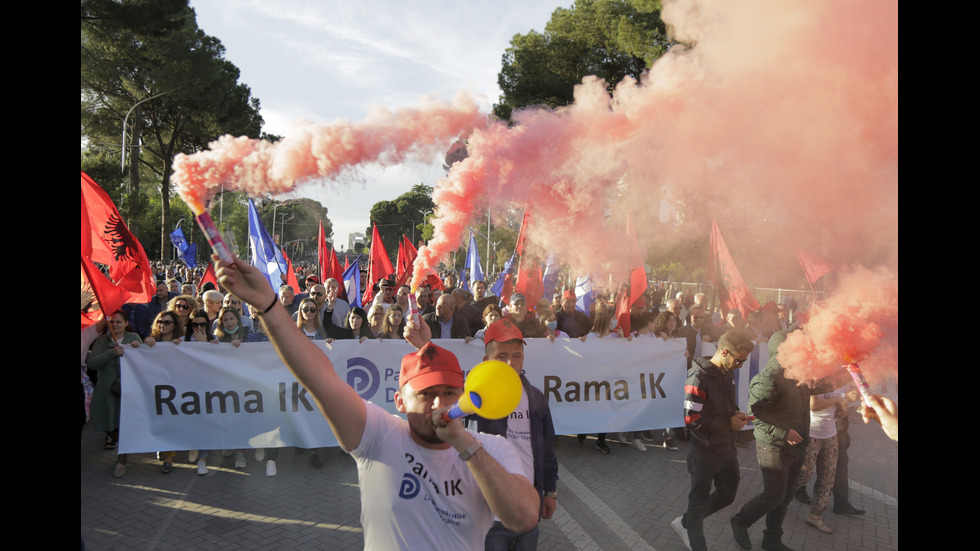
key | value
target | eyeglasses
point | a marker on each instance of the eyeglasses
(316, 294)
(199, 324)
(182, 306)
(309, 310)
(165, 322)
(232, 302)
(736, 359)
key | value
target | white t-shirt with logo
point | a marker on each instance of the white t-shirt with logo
(417, 498)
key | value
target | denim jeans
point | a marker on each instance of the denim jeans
(500, 538)
(780, 471)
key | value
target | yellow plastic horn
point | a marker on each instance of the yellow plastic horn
(492, 390)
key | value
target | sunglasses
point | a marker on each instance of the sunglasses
(182, 307)
(199, 324)
(165, 322)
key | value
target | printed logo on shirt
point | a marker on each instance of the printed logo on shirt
(410, 486)
(363, 376)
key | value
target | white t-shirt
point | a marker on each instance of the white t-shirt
(417, 498)
(823, 423)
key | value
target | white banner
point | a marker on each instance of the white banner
(206, 396)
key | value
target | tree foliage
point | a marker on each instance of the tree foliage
(607, 38)
(147, 63)
(402, 216)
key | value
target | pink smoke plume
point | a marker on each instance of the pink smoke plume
(857, 323)
(780, 120)
(323, 150)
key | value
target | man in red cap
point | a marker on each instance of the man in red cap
(531, 431)
(425, 483)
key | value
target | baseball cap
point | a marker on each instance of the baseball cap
(517, 296)
(502, 330)
(431, 365)
(568, 295)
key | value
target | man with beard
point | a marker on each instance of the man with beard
(425, 483)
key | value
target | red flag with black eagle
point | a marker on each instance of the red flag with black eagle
(732, 289)
(107, 240)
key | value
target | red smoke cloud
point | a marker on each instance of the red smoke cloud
(329, 150)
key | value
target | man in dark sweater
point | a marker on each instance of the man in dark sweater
(781, 407)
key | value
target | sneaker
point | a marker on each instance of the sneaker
(678, 525)
(167, 467)
(669, 444)
(638, 445)
(602, 447)
(270, 468)
(240, 460)
(202, 467)
(818, 523)
(259, 454)
(120, 470)
(315, 461)
(192, 456)
(110, 444)
(624, 437)
(741, 532)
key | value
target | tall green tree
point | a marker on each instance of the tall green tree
(146, 63)
(607, 38)
(402, 216)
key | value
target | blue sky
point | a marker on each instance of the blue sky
(327, 60)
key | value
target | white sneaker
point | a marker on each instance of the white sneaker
(270, 468)
(240, 460)
(624, 437)
(638, 445)
(681, 531)
(192, 456)
(202, 467)
(259, 454)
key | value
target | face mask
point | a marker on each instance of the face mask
(552, 325)
(613, 323)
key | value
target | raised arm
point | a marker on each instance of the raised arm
(339, 403)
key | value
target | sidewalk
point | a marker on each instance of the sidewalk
(621, 501)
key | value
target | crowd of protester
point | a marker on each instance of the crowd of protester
(185, 310)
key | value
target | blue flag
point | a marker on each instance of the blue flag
(473, 264)
(185, 252)
(585, 293)
(550, 278)
(498, 286)
(352, 282)
(265, 254)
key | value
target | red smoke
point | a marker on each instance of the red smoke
(320, 150)
(857, 323)
(780, 121)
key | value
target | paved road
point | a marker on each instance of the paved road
(621, 501)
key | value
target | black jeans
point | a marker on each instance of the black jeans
(780, 470)
(707, 465)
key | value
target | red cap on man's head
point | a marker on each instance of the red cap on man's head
(502, 330)
(568, 295)
(431, 365)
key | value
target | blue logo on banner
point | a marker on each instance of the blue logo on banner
(410, 486)
(363, 376)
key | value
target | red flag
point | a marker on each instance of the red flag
(525, 222)
(732, 290)
(102, 297)
(530, 284)
(323, 257)
(379, 265)
(814, 265)
(107, 240)
(290, 273)
(434, 282)
(406, 260)
(638, 274)
(624, 300)
(209, 276)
